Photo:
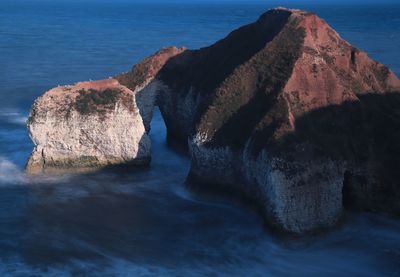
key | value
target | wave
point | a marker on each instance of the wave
(13, 117)
(10, 173)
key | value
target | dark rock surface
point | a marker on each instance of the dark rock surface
(283, 112)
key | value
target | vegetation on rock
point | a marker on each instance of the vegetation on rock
(93, 101)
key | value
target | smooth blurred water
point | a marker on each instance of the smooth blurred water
(144, 222)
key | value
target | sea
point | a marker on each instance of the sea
(144, 221)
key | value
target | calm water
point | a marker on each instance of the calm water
(144, 222)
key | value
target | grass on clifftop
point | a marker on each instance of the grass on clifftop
(93, 101)
(258, 114)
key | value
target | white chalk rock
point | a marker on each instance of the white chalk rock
(87, 125)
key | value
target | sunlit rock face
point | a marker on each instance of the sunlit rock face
(98, 123)
(87, 125)
(279, 113)
(143, 82)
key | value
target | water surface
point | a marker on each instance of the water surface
(144, 222)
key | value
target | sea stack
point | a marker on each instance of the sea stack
(283, 112)
(98, 123)
(87, 125)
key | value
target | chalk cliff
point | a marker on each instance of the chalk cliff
(258, 108)
(97, 123)
(89, 124)
(282, 112)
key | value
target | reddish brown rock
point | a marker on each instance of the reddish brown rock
(270, 112)
(141, 80)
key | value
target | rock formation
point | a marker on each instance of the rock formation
(141, 80)
(282, 112)
(271, 113)
(95, 124)
(86, 125)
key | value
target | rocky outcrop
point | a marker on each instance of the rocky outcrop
(282, 112)
(271, 113)
(141, 80)
(89, 124)
(95, 124)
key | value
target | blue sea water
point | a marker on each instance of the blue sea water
(144, 222)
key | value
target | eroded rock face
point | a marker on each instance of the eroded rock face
(141, 80)
(89, 124)
(95, 124)
(260, 111)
